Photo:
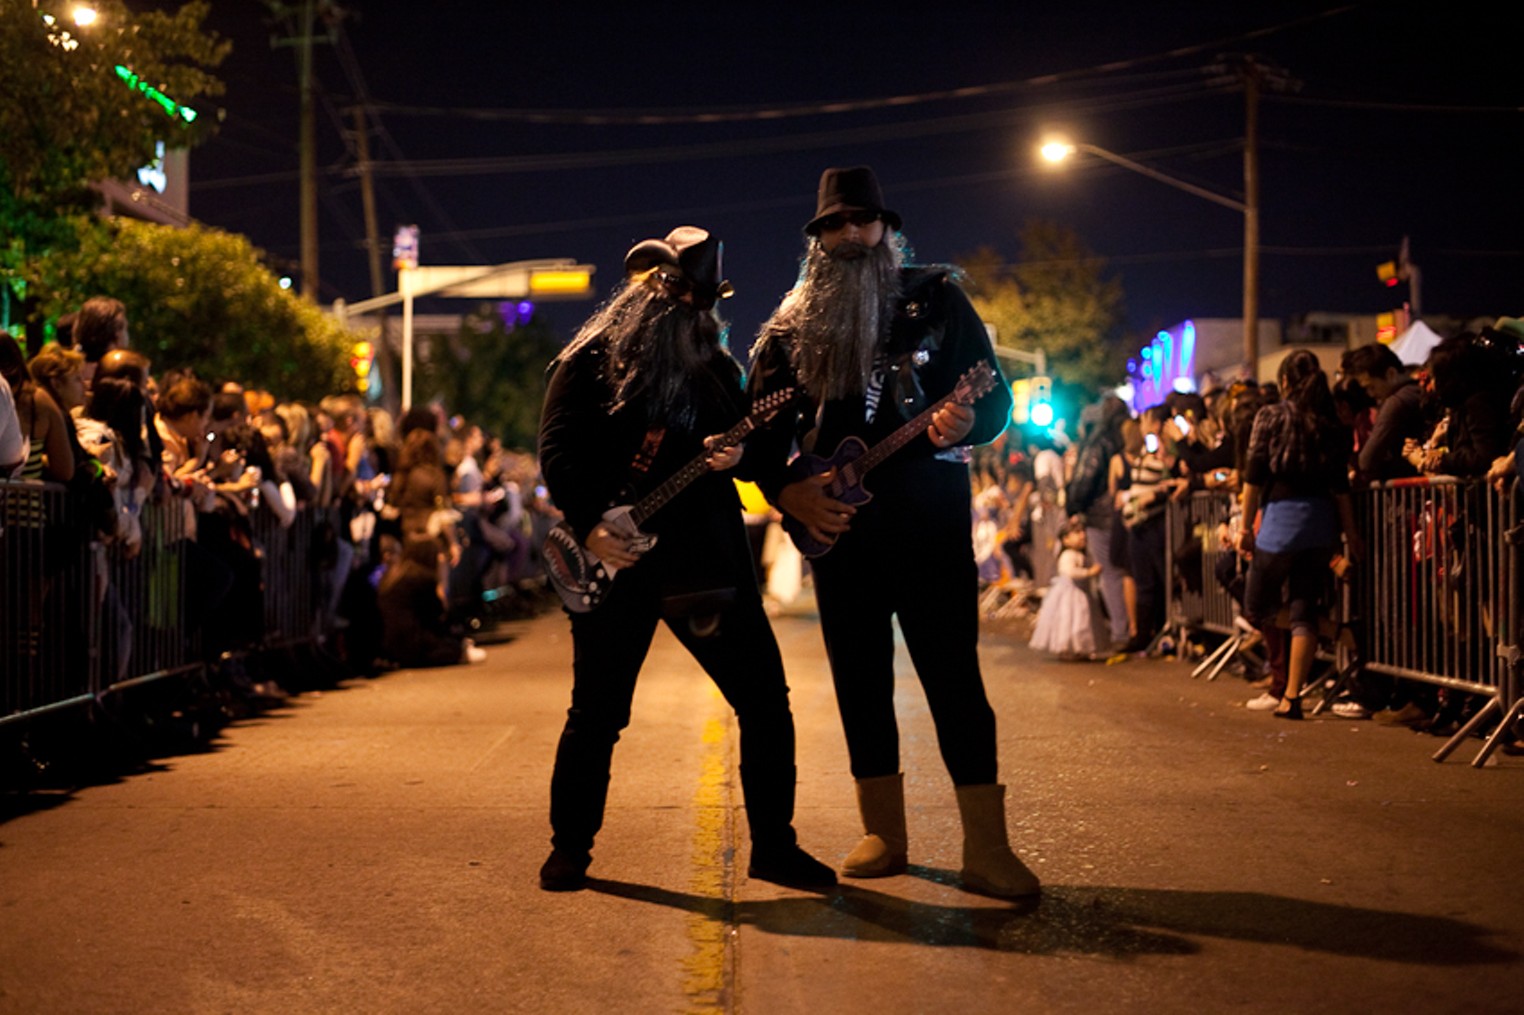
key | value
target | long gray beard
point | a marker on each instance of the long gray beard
(838, 315)
(657, 349)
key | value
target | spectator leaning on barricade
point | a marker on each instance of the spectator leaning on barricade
(1400, 414)
(1296, 468)
(56, 370)
(1473, 384)
(47, 452)
(99, 326)
(13, 444)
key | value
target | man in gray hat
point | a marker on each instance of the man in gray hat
(877, 345)
(634, 400)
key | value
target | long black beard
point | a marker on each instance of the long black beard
(657, 349)
(838, 314)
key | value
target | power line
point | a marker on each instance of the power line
(653, 117)
(771, 145)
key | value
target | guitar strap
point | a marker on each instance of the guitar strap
(646, 453)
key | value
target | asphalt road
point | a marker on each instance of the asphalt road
(374, 848)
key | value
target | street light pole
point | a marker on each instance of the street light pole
(1057, 151)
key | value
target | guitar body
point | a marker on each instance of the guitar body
(580, 578)
(853, 459)
(840, 488)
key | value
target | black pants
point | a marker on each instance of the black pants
(909, 555)
(1146, 547)
(742, 658)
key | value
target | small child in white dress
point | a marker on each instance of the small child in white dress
(1066, 623)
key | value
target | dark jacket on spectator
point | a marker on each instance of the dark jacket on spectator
(1400, 416)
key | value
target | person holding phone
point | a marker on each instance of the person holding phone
(1142, 504)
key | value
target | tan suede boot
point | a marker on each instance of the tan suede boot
(882, 852)
(989, 866)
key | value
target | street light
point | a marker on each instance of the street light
(1058, 150)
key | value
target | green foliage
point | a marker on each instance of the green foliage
(67, 118)
(1056, 299)
(490, 373)
(199, 297)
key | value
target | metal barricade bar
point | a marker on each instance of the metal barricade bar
(1436, 596)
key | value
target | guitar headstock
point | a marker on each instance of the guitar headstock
(768, 406)
(976, 382)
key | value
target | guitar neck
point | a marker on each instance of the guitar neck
(657, 498)
(904, 435)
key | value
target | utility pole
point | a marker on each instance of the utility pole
(308, 146)
(1251, 72)
(368, 201)
(383, 363)
(300, 35)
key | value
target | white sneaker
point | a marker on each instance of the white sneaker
(474, 654)
(1350, 710)
(1264, 703)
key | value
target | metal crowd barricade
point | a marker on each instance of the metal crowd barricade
(141, 630)
(1436, 597)
(290, 577)
(1438, 592)
(45, 601)
(79, 620)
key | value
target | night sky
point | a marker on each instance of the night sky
(1397, 120)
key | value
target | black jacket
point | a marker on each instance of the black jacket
(586, 456)
(934, 337)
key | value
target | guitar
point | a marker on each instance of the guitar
(852, 459)
(580, 578)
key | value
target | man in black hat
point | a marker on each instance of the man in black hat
(876, 344)
(635, 397)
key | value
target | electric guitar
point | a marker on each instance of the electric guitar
(580, 578)
(852, 459)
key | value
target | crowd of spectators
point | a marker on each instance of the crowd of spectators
(1296, 446)
(424, 527)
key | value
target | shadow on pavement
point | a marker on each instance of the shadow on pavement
(1113, 922)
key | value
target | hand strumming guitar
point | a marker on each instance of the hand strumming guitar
(608, 545)
(823, 517)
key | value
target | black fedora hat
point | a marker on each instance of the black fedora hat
(853, 188)
(693, 258)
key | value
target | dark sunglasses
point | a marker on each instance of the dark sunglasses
(840, 220)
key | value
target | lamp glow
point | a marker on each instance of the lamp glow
(1057, 151)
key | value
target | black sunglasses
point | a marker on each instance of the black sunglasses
(840, 219)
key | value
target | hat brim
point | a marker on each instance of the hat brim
(649, 254)
(812, 227)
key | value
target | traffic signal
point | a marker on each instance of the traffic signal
(1387, 272)
(1040, 402)
(1021, 400)
(362, 357)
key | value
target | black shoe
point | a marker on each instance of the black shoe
(564, 872)
(1293, 710)
(789, 866)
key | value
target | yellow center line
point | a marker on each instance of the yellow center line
(708, 968)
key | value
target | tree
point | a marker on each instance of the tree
(71, 117)
(1053, 298)
(200, 298)
(492, 371)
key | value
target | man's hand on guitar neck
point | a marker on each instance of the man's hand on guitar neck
(722, 458)
(950, 424)
(823, 517)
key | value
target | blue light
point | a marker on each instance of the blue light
(1042, 414)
